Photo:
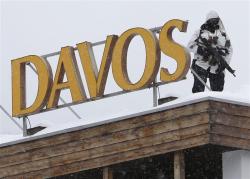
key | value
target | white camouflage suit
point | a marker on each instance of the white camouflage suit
(223, 38)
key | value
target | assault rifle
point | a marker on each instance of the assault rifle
(217, 53)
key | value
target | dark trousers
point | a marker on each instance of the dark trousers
(216, 80)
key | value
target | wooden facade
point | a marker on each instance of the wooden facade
(176, 129)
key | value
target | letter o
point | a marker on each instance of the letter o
(119, 59)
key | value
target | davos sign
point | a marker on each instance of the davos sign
(115, 54)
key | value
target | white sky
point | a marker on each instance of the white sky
(37, 28)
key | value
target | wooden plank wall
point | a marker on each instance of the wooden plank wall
(157, 133)
(230, 125)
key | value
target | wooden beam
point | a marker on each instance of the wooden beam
(107, 173)
(179, 165)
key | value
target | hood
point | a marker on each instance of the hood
(213, 14)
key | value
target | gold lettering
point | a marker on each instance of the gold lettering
(179, 53)
(96, 81)
(119, 62)
(44, 73)
(67, 65)
(115, 51)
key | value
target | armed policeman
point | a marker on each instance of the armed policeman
(212, 54)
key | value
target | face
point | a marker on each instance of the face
(213, 21)
(213, 24)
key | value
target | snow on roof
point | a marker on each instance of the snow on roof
(228, 97)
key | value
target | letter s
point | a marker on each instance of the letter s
(179, 53)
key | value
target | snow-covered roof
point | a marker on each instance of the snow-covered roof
(227, 97)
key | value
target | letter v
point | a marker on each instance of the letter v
(96, 81)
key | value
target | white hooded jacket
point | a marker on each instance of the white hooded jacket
(192, 45)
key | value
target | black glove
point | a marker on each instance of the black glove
(215, 40)
(193, 63)
(228, 44)
(200, 50)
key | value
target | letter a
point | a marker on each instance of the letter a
(67, 65)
